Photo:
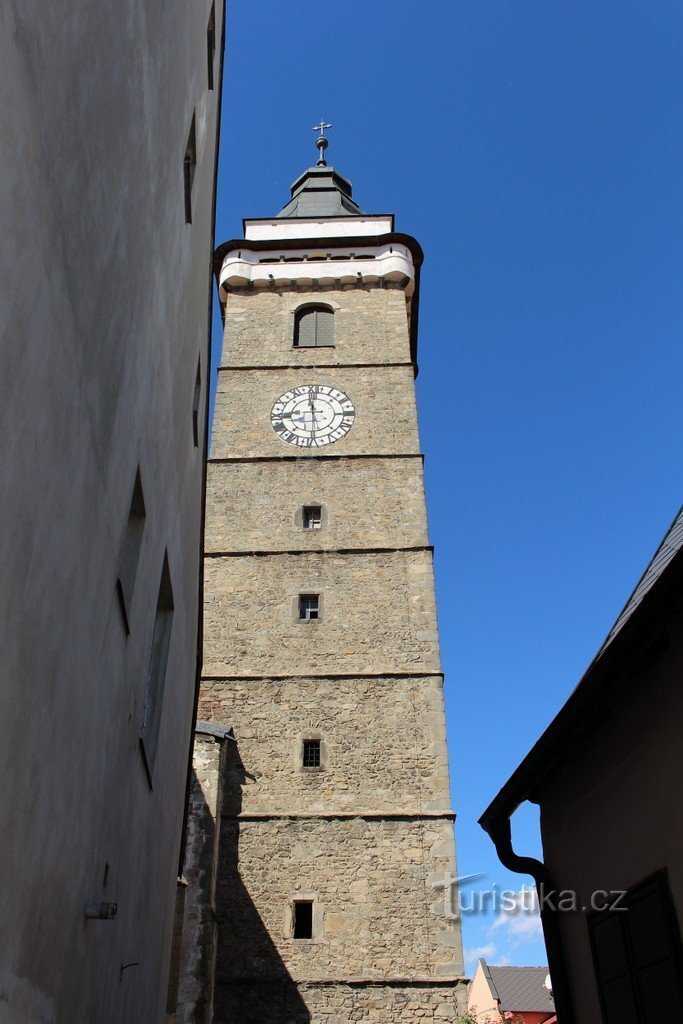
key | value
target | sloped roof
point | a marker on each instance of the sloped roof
(659, 585)
(673, 541)
(321, 192)
(521, 989)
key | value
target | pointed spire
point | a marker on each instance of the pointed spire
(321, 191)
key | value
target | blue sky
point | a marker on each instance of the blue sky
(534, 149)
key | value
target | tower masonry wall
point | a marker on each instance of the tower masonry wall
(337, 1004)
(378, 614)
(385, 422)
(254, 506)
(383, 743)
(366, 838)
(380, 908)
(369, 326)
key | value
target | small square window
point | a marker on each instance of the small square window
(312, 517)
(303, 919)
(311, 754)
(309, 606)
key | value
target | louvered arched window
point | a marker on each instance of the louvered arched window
(313, 327)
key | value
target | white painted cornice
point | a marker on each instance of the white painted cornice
(390, 262)
(316, 227)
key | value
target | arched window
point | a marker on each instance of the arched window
(314, 327)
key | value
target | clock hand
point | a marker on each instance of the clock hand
(300, 418)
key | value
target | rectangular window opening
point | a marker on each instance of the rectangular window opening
(314, 327)
(211, 43)
(311, 754)
(156, 676)
(312, 517)
(195, 403)
(309, 606)
(636, 951)
(130, 550)
(189, 167)
(303, 919)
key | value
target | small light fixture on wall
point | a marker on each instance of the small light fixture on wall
(101, 911)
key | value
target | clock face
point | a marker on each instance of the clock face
(312, 416)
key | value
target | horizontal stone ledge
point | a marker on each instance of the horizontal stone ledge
(329, 458)
(318, 551)
(323, 675)
(345, 816)
(217, 731)
(449, 982)
(314, 366)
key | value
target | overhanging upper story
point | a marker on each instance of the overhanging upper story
(322, 240)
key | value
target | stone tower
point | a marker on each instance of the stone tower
(321, 647)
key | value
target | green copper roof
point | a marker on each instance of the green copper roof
(321, 192)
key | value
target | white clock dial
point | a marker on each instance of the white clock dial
(312, 416)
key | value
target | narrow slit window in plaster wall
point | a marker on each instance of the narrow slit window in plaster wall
(195, 403)
(211, 43)
(189, 167)
(130, 550)
(156, 675)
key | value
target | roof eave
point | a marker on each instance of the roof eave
(595, 690)
(260, 245)
(342, 216)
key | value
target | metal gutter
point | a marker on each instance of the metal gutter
(640, 639)
(219, 732)
(500, 832)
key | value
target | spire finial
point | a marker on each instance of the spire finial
(321, 142)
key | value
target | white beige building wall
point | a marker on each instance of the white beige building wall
(103, 320)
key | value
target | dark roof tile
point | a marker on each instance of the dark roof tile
(321, 192)
(672, 543)
(522, 989)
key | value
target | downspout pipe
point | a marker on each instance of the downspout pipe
(638, 636)
(500, 832)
